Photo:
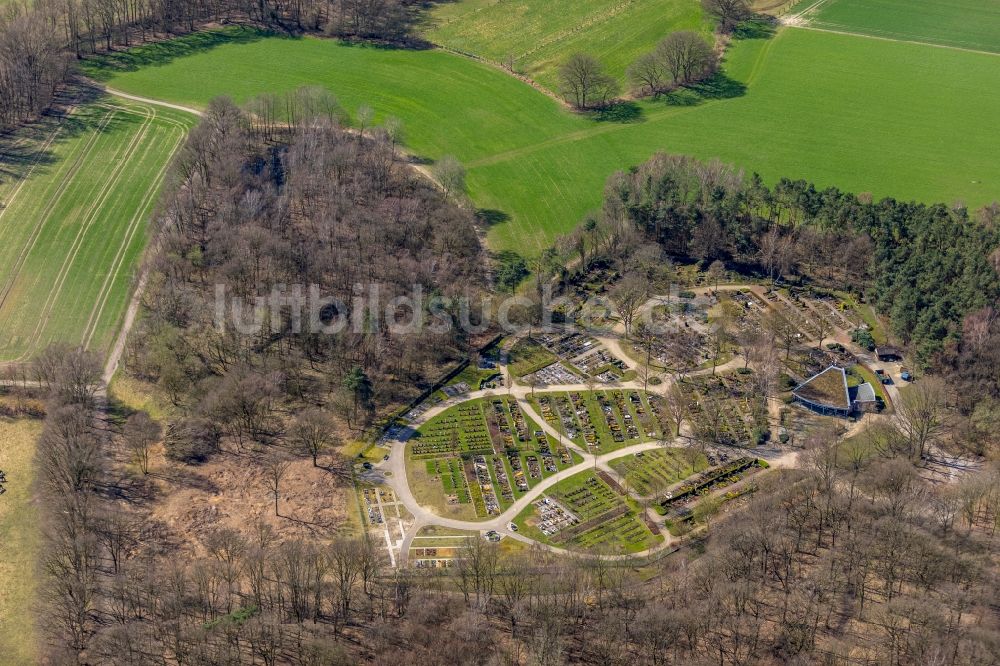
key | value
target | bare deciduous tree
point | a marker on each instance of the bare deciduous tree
(727, 12)
(141, 432)
(313, 432)
(922, 413)
(275, 468)
(585, 83)
(686, 57)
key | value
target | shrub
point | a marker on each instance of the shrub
(760, 435)
(863, 338)
(192, 440)
(687, 294)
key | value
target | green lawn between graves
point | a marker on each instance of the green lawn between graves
(433, 476)
(541, 34)
(73, 222)
(649, 426)
(967, 24)
(897, 119)
(601, 499)
(655, 471)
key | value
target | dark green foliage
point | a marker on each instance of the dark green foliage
(924, 267)
(510, 271)
(863, 338)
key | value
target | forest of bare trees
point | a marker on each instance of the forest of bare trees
(853, 557)
(32, 66)
(322, 209)
(38, 40)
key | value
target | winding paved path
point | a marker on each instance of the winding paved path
(394, 470)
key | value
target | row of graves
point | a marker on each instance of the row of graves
(832, 311)
(816, 315)
(584, 354)
(589, 514)
(492, 453)
(796, 312)
(375, 516)
(677, 505)
(625, 417)
(726, 409)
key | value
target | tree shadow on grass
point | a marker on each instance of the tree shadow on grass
(719, 86)
(619, 112)
(103, 67)
(759, 27)
(488, 217)
(31, 147)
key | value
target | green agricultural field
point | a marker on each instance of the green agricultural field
(967, 24)
(918, 124)
(19, 536)
(74, 223)
(541, 34)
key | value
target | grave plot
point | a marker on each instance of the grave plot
(654, 472)
(659, 416)
(555, 374)
(584, 513)
(797, 312)
(485, 453)
(528, 356)
(585, 354)
(683, 327)
(709, 481)
(375, 516)
(438, 547)
(601, 421)
(568, 345)
(726, 410)
(836, 316)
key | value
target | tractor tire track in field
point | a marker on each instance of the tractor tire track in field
(4, 205)
(47, 211)
(585, 24)
(134, 223)
(818, 27)
(118, 348)
(109, 281)
(87, 223)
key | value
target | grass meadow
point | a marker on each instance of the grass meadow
(19, 542)
(894, 119)
(541, 34)
(74, 224)
(967, 24)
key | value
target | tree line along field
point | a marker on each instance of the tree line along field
(74, 224)
(893, 119)
(548, 32)
(966, 24)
